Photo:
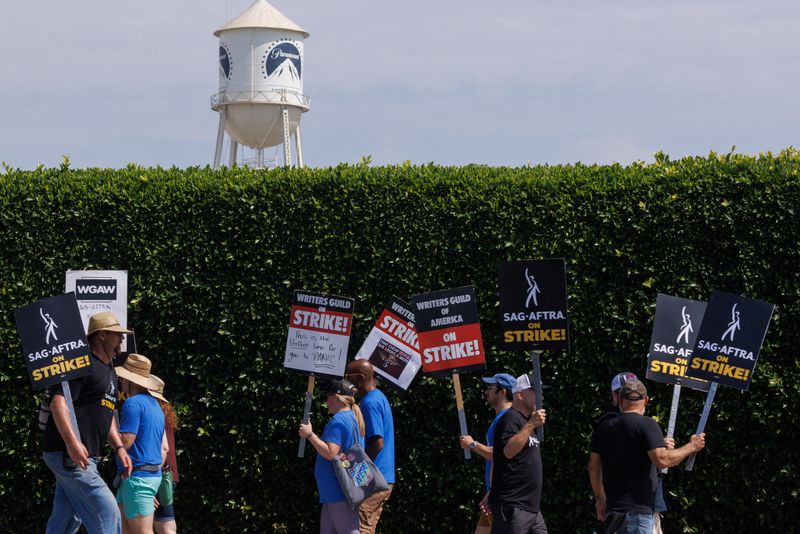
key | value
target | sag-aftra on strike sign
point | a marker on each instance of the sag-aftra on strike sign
(53, 340)
(730, 339)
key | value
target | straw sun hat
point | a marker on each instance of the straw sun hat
(105, 321)
(137, 369)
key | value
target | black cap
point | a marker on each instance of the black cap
(339, 387)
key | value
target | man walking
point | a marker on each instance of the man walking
(625, 452)
(661, 504)
(517, 465)
(378, 439)
(499, 397)
(81, 494)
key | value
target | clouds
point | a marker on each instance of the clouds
(449, 81)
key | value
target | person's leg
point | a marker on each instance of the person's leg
(637, 524)
(499, 519)
(369, 512)
(63, 518)
(88, 494)
(136, 496)
(343, 517)
(326, 521)
(142, 524)
(164, 517)
(165, 527)
(538, 525)
(657, 524)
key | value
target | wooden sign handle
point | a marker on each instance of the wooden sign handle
(301, 449)
(462, 418)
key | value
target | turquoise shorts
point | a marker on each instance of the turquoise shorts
(136, 494)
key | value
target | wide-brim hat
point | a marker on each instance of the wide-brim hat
(159, 391)
(137, 369)
(105, 321)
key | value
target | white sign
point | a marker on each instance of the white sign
(319, 333)
(392, 346)
(99, 291)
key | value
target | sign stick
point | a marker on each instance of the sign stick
(537, 387)
(703, 419)
(71, 409)
(301, 449)
(462, 419)
(673, 415)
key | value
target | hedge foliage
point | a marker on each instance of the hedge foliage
(213, 257)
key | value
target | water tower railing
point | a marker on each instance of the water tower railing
(273, 96)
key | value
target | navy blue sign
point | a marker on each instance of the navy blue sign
(730, 339)
(675, 330)
(284, 53)
(533, 304)
(224, 62)
(54, 342)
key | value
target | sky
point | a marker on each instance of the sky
(452, 82)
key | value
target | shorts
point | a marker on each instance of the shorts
(165, 510)
(136, 494)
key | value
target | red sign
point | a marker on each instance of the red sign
(449, 332)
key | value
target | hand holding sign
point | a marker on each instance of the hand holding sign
(727, 346)
(450, 338)
(319, 334)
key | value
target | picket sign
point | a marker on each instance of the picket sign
(673, 415)
(301, 449)
(701, 426)
(462, 418)
(537, 388)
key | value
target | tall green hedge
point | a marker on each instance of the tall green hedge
(213, 257)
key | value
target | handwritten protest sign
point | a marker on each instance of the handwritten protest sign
(99, 291)
(319, 334)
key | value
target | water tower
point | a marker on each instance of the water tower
(260, 98)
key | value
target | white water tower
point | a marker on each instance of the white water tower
(260, 98)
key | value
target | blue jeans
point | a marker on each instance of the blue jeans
(637, 524)
(82, 496)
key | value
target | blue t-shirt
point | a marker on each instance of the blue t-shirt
(142, 415)
(490, 443)
(342, 429)
(379, 422)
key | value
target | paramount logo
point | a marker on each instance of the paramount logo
(96, 289)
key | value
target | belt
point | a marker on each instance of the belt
(150, 468)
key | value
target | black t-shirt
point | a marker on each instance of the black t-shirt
(516, 481)
(94, 397)
(629, 477)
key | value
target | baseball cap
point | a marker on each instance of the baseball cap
(523, 382)
(504, 380)
(339, 387)
(634, 390)
(620, 379)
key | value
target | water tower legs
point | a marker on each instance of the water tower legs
(220, 138)
(299, 146)
(287, 139)
(234, 152)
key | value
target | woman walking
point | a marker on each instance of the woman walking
(345, 427)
